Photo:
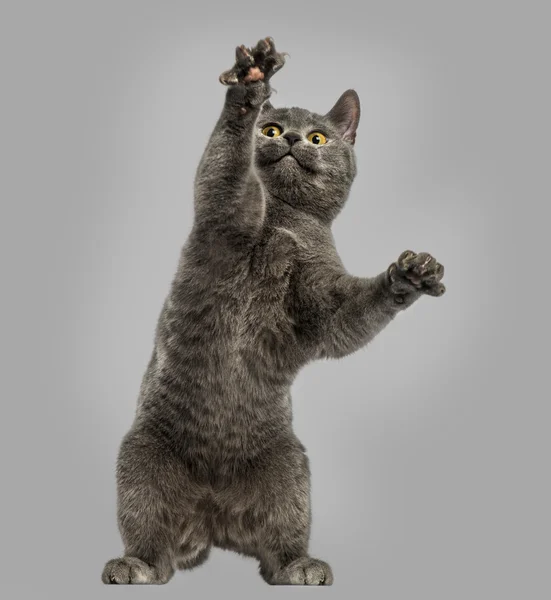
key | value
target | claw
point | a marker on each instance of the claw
(229, 78)
(270, 41)
(405, 258)
(427, 261)
(262, 49)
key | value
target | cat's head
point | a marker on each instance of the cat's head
(307, 159)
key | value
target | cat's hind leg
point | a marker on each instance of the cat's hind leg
(154, 497)
(196, 542)
(189, 558)
(275, 526)
(284, 529)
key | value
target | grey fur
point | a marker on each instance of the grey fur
(211, 458)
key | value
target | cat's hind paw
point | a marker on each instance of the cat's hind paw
(254, 64)
(304, 571)
(129, 570)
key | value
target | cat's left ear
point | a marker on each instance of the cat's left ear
(345, 115)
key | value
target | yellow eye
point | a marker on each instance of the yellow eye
(271, 131)
(317, 138)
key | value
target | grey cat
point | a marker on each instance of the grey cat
(260, 291)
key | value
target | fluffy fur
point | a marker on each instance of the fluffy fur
(211, 458)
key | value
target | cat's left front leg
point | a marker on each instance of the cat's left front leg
(369, 304)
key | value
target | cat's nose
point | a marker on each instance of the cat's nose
(292, 137)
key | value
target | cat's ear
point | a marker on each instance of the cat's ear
(345, 115)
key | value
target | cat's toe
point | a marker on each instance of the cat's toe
(244, 61)
(405, 259)
(263, 48)
(267, 57)
(243, 57)
(437, 289)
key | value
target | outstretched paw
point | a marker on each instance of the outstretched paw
(254, 64)
(416, 272)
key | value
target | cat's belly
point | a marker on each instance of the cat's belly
(218, 412)
(225, 361)
(221, 373)
(246, 334)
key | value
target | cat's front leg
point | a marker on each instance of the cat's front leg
(368, 305)
(229, 199)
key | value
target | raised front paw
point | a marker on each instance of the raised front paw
(254, 64)
(414, 272)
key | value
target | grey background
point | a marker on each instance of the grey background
(430, 448)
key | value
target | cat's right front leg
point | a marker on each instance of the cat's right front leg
(249, 78)
(228, 193)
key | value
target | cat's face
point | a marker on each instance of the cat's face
(307, 159)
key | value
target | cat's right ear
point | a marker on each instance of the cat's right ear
(267, 105)
(345, 115)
